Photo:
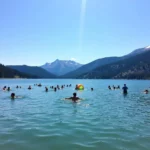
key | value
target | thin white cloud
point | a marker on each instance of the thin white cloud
(73, 59)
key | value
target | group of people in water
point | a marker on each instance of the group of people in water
(74, 98)
(124, 88)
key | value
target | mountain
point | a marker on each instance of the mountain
(101, 62)
(60, 67)
(33, 71)
(138, 51)
(134, 67)
(90, 66)
(6, 72)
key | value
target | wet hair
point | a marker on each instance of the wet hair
(12, 95)
(74, 94)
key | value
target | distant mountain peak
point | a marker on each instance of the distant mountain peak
(148, 47)
(60, 67)
(139, 51)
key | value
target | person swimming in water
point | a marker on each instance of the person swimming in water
(55, 89)
(125, 89)
(4, 88)
(8, 89)
(29, 88)
(74, 98)
(46, 89)
(76, 88)
(12, 96)
(40, 85)
(114, 87)
(118, 87)
(109, 87)
(146, 91)
(92, 89)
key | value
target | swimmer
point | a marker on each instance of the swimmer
(109, 87)
(114, 87)
(74, 98)
(125, 89)
(76, 88)
(8, 89)
(118, 87)
(29, 88)
(55, 89)
(4, 88)
(40, 85)
(146, 91)
(17, 86)
(58, 87)
(92, 89)
(12, 96)
(46, 89)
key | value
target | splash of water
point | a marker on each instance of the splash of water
(82, 22)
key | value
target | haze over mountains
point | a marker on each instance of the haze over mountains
(135, 65)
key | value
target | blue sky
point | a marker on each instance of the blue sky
(34, 32)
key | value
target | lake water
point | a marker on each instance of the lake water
(103, 120)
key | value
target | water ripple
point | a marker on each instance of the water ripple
(104, 120)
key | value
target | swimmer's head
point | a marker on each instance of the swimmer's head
(13, 95)
(74, 94)
(146, 91)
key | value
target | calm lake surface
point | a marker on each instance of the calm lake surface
(104, 120)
